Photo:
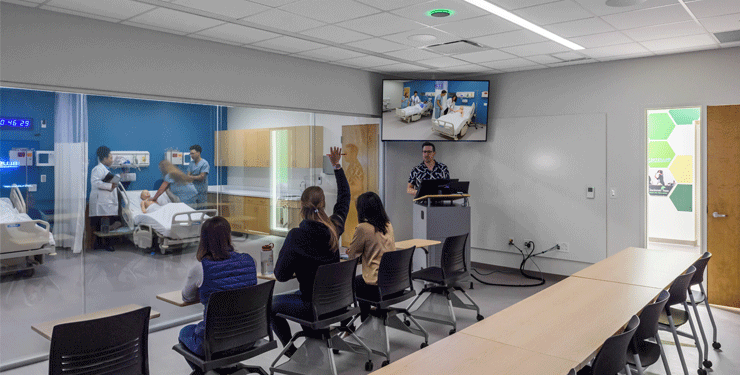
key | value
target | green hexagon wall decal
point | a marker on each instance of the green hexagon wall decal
(681, 197)
(660, 154)
(685, 116)
(660, 126)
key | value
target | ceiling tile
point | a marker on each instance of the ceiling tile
(419, 12)
(566, 55)
(400, 68)
(152, 27)
(332, 54)
(273, 3)
(682, 42)
(648, 17)
(380, 24)
(544, 59)
(258, 48)
(470, 68)
(237, 33)
(368, 61)
(536, 49)
(443, 62)
(288, 44)
(217, 40)
(479, 26)
(587, 26)
(625, 57)
(722, 23)
(508, 64)
(391, 4)
(560, 11)
(174, 20)
(335, 34)
(283, 20)
(511, 38)
(518, 4)
(413, 54)
(330, 11)
(118, 9)
(26, 3)
(523, 68)
(664, 31)
(616, 50)
(601, 40)
(378, 45)
(579, 62)
(712, 8)
(484, 56)
(687, 49)
(228, 8)
(70, 11)
(600, 8)
(441, 37)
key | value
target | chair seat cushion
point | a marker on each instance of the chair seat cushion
(431, 274)
(680, 317)
(698, 297)
(649, 353)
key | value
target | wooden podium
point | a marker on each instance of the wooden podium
(437, 217)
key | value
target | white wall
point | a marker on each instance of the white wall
(393, 90)
(623, 90)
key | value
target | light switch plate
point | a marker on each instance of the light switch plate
(590, 192)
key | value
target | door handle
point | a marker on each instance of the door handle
(717, 214)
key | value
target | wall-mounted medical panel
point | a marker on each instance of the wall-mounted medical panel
(130, 159)
(44, 158)
(465, 94)
(21, 156)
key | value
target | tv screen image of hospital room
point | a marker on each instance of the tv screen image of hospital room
(427, 110)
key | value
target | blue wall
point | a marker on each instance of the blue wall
(481, 109)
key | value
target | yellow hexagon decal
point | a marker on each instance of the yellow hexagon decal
(682, 169)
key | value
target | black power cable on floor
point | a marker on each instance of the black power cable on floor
(525, 258)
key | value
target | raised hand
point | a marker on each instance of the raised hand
(335, 155)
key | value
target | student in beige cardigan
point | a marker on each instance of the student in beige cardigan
(373, 237)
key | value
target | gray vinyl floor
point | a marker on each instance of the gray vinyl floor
(132, 276)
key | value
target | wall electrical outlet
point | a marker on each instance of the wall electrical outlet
(32, 187)
(563, 247)
(43, 178)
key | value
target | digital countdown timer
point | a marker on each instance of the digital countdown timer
(15, 123)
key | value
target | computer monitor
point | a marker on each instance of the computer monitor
(432, 187)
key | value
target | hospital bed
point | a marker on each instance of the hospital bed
(452, 124)
(23, 241)
(414, 112)
(172, 224)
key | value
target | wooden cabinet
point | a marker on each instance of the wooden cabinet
(307, 154)
(304, 146)
(288, 214)
(245, 214)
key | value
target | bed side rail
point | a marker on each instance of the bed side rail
(191, 218)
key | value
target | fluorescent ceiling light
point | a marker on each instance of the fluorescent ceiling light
(511, 17)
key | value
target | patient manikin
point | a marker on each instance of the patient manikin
(147, 205)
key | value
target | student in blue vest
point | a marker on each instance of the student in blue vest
(221, 268)
(313, 243)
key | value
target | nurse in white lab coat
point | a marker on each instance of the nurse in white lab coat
(103, 195)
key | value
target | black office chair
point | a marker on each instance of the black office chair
(610, 359)
(112, 345)
(671, 318)
(641, 352)
(394, 286)
(700, 296)
(333, 301)
(237, 323)
(443, 282)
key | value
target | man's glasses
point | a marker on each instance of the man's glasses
(427, 152)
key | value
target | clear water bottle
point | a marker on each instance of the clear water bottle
(266, 263)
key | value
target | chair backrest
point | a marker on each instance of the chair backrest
(453, 254)
(650, 316)
(237, 317)
(334, 287)
(116, 344)
(700, 265)
(611, 359)
(394, 272)
(679, 287)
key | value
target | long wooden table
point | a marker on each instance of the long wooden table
(46, 329)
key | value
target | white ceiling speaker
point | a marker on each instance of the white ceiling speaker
(623, 3)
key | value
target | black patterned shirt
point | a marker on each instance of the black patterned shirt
(421, 173)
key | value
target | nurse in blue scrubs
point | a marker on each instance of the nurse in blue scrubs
(439, 103)
(178, 182)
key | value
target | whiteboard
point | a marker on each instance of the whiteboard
(529, 181)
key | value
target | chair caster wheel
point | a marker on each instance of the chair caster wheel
(423, 345)
(385, 363)
(335, 351)
(716, 345)
(480, 317)
(408, 324)
(702, 371)
(707, 363)
(369, 366)
(452, 331)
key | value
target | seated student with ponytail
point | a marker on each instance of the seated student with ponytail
(313, 243)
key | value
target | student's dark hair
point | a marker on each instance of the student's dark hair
(425, 144)
(313, 203)
(102, 152)
(444, 91)
(196, 148)
(370, 209)
(215, 239)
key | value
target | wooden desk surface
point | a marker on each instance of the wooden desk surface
(175, 298)
(644, 267)
(470, 355)
(45, 329)
(266, 277)
(569, 320)
(418, 242)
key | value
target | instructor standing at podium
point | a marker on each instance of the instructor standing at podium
(428, 169)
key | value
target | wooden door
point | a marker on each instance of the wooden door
(723, 197)
(360, 144)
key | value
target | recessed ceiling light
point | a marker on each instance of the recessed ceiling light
(422, 38)
(440, 13)
(623, 3)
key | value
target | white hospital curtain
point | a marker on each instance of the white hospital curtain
(70, 169)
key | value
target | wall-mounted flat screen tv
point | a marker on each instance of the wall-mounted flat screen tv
(426, 110)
